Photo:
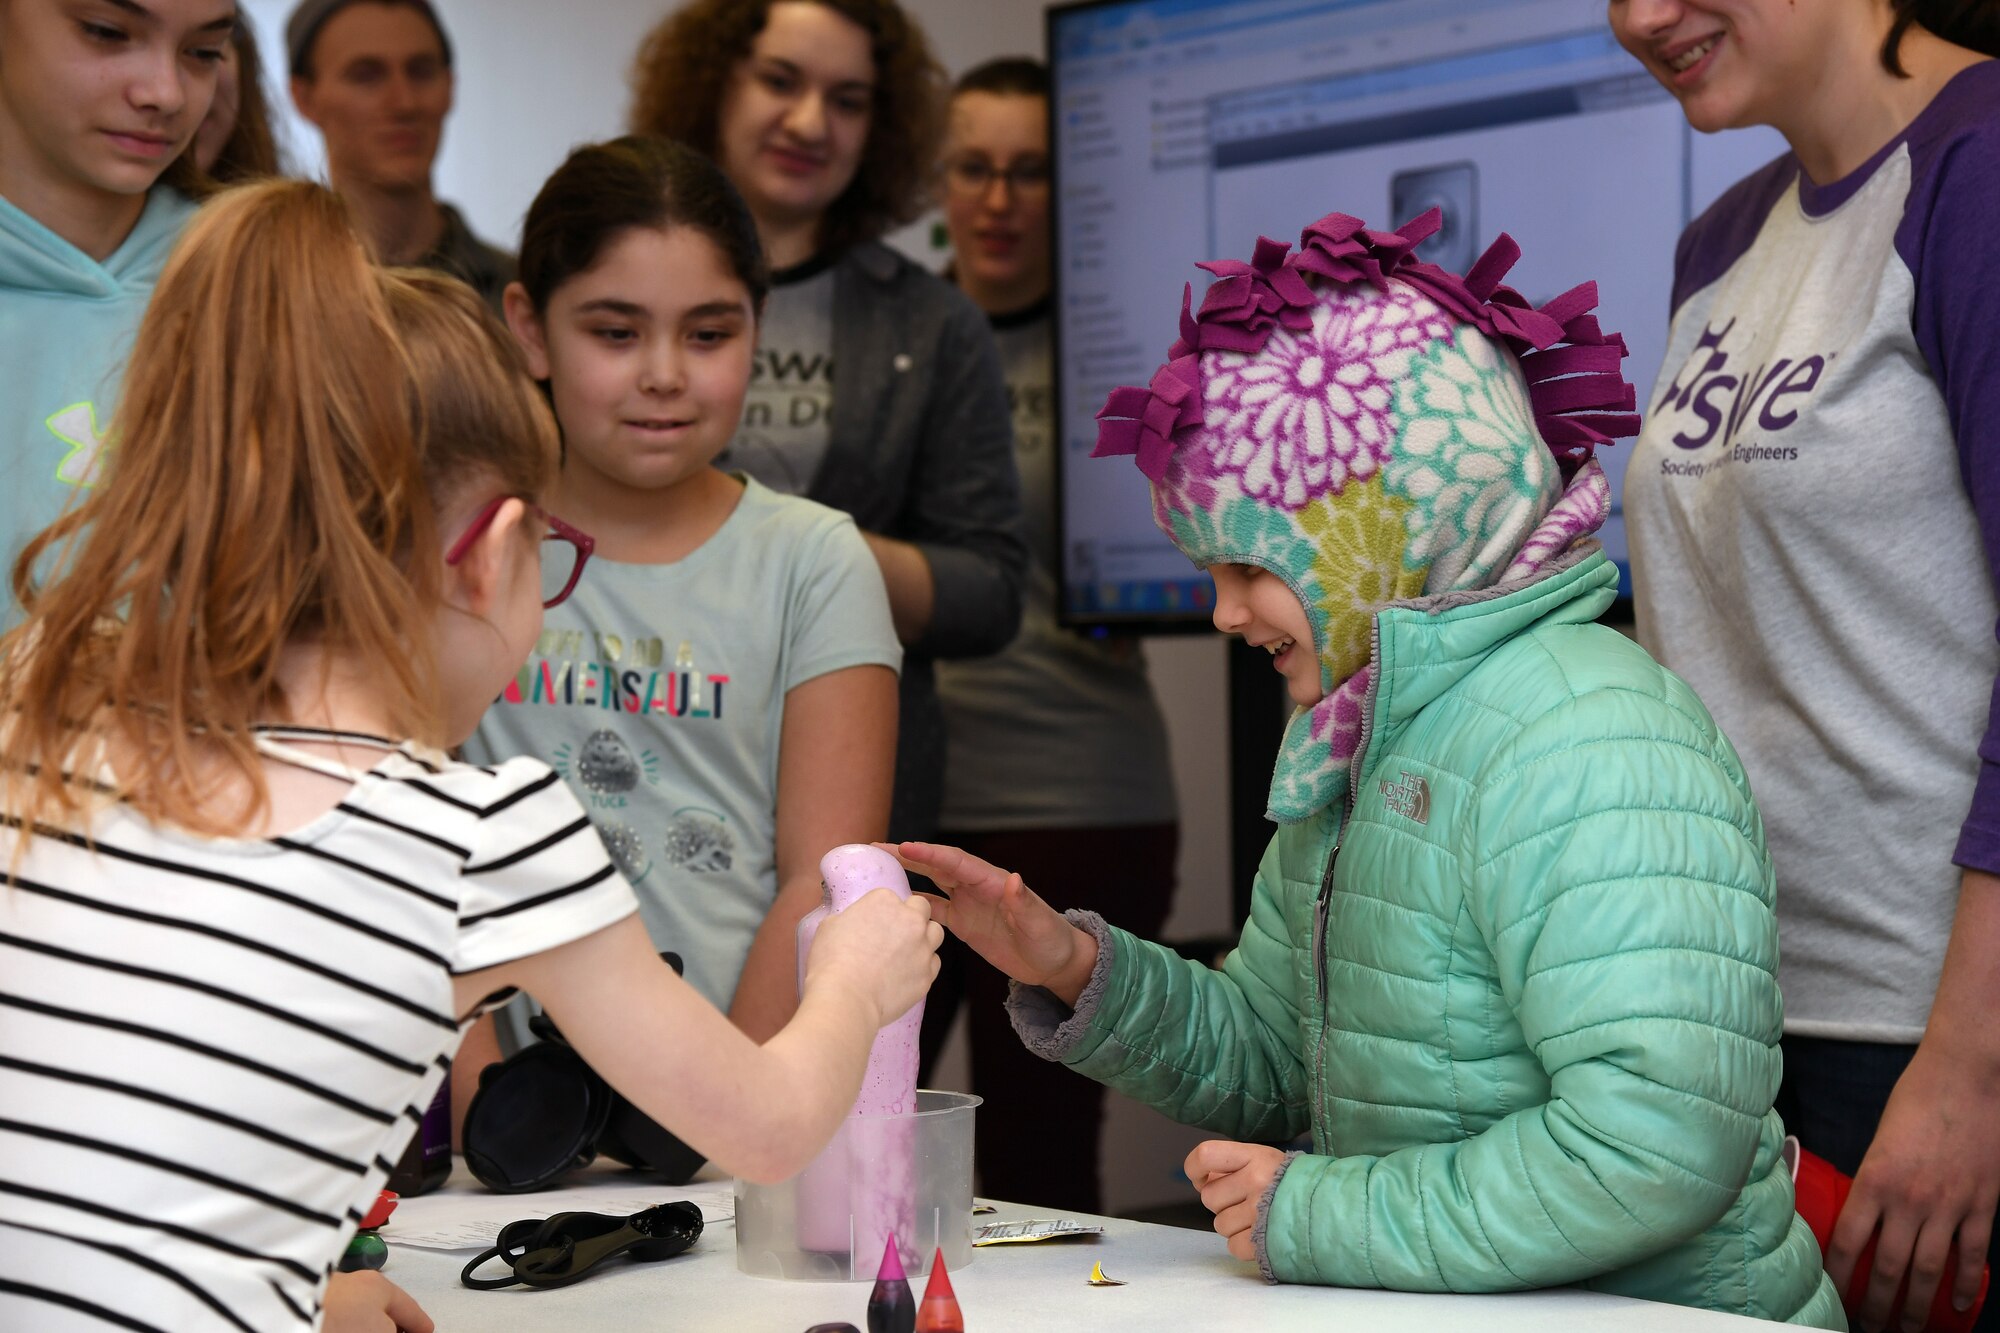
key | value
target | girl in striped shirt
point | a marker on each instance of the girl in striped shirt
(250, 903)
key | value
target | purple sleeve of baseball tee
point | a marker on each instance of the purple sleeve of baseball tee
(1715, 241)
(1946, 240)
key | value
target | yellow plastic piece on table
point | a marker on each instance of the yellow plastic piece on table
(1097, 1278)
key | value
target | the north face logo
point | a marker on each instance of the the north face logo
(1410, 798)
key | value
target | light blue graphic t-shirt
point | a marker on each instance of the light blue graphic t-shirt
(66, 328)
(658, 693)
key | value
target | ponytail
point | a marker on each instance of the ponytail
(1973, 24)
(264, 489)
(482, 420)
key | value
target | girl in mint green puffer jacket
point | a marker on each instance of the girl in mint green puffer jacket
(1511, 957)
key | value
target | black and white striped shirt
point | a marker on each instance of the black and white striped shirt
(212, 1049)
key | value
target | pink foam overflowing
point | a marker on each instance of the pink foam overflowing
(1578, 392)
(864, 1184)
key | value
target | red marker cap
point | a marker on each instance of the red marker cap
(385, 1204)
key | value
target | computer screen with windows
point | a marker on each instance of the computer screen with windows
(1185, 129)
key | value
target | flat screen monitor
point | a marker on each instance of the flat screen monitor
(1185, 129)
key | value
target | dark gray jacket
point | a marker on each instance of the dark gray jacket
(484, 268)
(922, 450)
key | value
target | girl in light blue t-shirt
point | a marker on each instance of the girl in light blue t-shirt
(721, 690)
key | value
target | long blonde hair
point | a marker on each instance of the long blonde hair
(267, 486)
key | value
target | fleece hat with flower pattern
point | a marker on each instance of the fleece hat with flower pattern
(1373, 430)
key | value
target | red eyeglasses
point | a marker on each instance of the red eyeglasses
(567, 567)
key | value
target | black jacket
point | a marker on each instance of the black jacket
(921, 450)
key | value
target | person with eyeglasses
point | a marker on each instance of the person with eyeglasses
(251, 905)
(876, 389)
(721, 693)
(1055, 749)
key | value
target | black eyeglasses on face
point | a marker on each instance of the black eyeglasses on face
(975, 176)
(579, 542)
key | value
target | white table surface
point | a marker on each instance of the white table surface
(1177, 1279)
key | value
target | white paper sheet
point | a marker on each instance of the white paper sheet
(455, 1219)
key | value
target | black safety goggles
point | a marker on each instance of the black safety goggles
(543, 1112)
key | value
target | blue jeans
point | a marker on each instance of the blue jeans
(1832, 1098)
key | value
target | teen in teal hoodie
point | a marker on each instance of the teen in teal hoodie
(97, 113)
(66, 324)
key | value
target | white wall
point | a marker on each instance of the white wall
(536, 78)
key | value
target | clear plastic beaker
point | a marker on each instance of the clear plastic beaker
(907, 1174)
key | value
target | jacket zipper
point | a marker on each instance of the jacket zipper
(1317, 1074)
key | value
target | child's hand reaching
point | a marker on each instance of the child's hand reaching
(1232, 1179)
(1002, 920)
(882, 947)
(367, 1302)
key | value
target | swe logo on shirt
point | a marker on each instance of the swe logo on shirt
(788, 389)
(1717, 396)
